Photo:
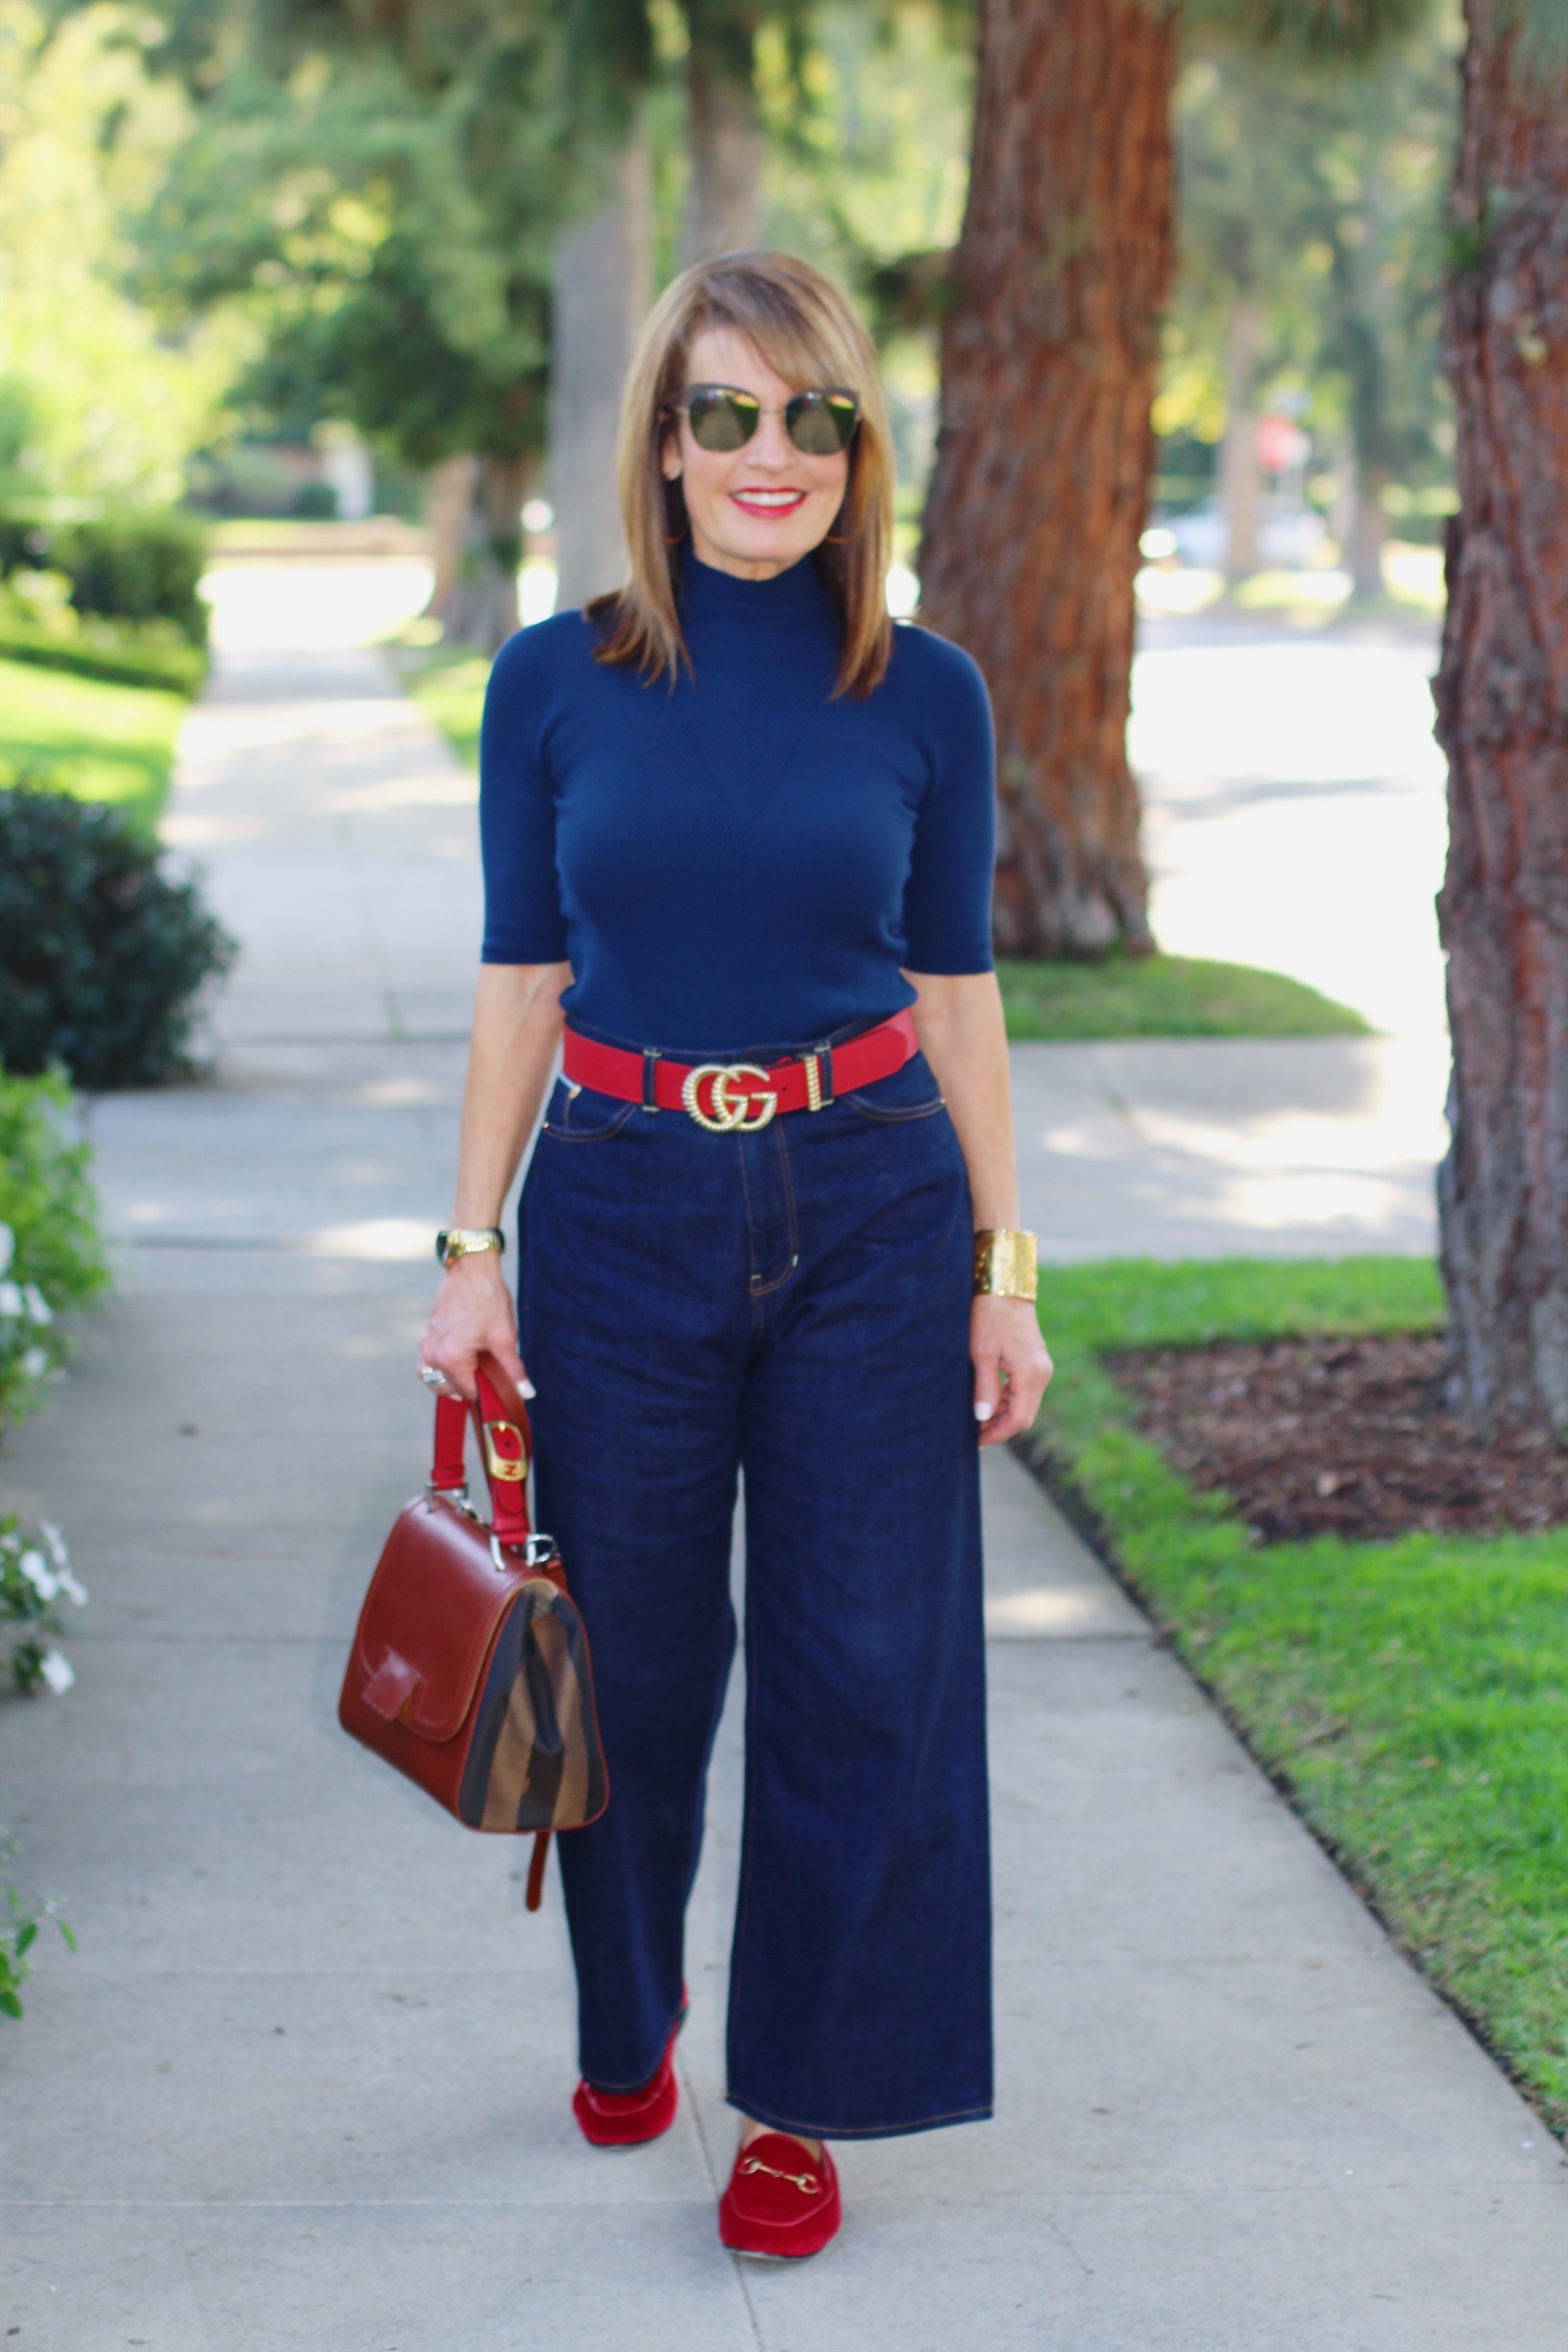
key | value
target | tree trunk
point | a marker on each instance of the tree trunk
(1241, 465)
(722, 211)
(448, 494)
(601, 288)
(1041, 489)
(1369, 534)
(1502, 696)
(481, 609)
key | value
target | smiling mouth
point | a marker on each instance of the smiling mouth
(768, 502)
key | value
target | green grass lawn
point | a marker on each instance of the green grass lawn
(1412, 1695)
(1149, 996)
(97, 741)
(448, 687)
(1164, 996)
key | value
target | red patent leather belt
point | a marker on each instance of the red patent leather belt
(738, 1097)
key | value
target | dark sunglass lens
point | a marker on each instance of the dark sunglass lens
(821, 423)
(723, 420)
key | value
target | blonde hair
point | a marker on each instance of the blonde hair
(809, 334)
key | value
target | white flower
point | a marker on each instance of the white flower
(10, 1297)
(8, 1243)
(58, 1672)
(54, 1543)
(72, 1589)
(37, 1305)
(40, 1575)
(34, 1363)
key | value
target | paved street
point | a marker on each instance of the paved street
(307, 2082)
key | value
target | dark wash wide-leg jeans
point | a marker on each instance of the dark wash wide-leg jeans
(794, 1303)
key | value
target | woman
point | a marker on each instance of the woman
(737, 836)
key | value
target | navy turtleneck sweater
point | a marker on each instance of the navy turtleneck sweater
(741, 863)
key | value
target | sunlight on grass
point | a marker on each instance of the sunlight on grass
(448, 687)
(1413, 1695)
(1165, 996)
(96, 741)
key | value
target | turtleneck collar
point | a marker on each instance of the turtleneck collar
(796, 594)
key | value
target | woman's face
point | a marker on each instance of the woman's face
(757, 509)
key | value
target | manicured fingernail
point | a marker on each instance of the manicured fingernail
(983, 1413)
(528, 1388)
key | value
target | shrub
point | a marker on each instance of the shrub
(18, 1933)
(51, 1253)
(40, 623)
(33, 1578)
(316, 501)
(131, 566)
(102, 955)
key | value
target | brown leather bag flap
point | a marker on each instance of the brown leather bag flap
(429, 1617)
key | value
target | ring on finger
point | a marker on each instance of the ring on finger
(436, 1379)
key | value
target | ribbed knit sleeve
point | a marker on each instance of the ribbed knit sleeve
(948, 900)
(524, 921)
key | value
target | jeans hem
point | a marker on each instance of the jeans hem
(819, 2130)
(629, 2090)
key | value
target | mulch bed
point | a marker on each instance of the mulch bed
(1338, 1437)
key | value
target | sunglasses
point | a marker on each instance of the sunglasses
(722, 417)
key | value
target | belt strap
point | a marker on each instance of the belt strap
(804, 1082)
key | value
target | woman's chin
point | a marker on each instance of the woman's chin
(750, 539)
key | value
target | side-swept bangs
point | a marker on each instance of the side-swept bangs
(808, 333)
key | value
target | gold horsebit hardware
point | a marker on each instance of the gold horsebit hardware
(805, 2182)
(736, 1085)
(512, 1468)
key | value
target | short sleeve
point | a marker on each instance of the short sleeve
(948, 897)
(524, 923)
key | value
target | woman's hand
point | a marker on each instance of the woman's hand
(472, 1316)
(1011, 1368)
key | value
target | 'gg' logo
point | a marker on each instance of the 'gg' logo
(733, 1088)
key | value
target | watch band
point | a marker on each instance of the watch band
(454, 1242)
(1005, 1263)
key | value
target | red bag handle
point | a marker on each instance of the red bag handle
(501, 1423)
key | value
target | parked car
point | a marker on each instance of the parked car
(1288, 537)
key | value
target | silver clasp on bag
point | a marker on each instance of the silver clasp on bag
(538, 1552)
(456, 1496)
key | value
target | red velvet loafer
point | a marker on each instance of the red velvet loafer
(781, 2200)
(624, 2118)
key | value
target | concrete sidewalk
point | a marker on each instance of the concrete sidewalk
(306, 2083)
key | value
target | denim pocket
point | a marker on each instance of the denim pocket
(578, 1115)
(910, 1093)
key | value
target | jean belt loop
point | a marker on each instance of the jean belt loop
(650, 1058)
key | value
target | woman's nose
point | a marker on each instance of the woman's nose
(771, 443)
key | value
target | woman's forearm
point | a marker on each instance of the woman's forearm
(958, 1022)
(517, 1029)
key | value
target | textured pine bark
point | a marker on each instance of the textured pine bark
(1502, 696)
(1039, 496)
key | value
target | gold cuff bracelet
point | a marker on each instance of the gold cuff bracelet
(1005, 1265)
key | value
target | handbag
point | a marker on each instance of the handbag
(470, 1670)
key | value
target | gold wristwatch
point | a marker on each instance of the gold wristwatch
(1005, 1263)
(454, 1242)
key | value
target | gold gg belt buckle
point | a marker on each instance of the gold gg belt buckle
(732, 1089)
